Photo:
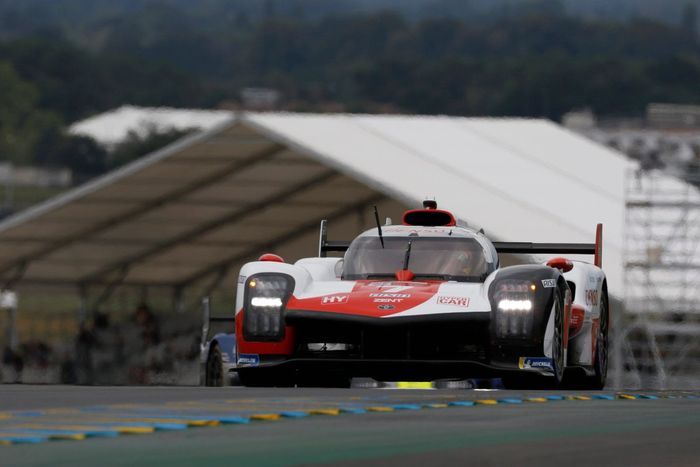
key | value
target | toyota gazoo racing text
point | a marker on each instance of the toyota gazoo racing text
(421, 301)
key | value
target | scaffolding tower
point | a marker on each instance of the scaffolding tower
(657, 339)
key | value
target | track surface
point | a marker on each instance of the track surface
(573, 432)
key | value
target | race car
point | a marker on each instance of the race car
(421, 301)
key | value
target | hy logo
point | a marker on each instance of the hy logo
(334, 299)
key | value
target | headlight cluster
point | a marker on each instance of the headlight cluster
(266, 295)
(514, 301)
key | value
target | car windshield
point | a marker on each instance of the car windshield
(454, 258)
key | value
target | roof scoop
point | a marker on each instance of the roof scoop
(429, 216)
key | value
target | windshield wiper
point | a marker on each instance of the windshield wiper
(379, 226)
(407, 257)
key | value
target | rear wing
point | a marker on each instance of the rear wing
(207, 319)
(324, 246)
(523, 248)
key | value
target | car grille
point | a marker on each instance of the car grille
(319, 339)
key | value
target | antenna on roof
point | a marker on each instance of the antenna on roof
(429, 203)
(379, 226)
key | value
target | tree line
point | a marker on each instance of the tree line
(540, 64)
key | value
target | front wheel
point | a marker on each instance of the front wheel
(558, 354)
(214, 368)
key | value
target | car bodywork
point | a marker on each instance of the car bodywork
(420, 301)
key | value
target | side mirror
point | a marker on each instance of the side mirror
(563, 264)
(271, 257)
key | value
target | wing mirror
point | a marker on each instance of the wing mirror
(563, 264)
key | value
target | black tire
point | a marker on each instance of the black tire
(214, 368)
(600, 365)
(558, 356)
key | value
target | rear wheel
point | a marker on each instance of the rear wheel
(214, 368)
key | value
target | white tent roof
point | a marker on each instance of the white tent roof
(263, 180)
(112, 127)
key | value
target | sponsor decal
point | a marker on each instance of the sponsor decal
(388, 300)
(398, 289)
(390, 295)
(386, 307)
(241, 279)
(334, 299)
(594, 280)
(456, 301)
(249, 359)
(576, 318)
(549, 283)
(392, 287)
(541, 363)
(592, 297)
(380, 284)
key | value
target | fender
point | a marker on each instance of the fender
(226, 342)
(227, 346)
(588, 287)
(543, 281)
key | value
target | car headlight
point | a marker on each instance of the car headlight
(514, 300)
(266, 296)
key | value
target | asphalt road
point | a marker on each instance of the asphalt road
(640, 432)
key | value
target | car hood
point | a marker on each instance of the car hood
(391, 299)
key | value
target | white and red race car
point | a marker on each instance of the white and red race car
(421, 301)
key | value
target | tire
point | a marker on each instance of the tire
(600, 365)
(558, 356)
(214, 368)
